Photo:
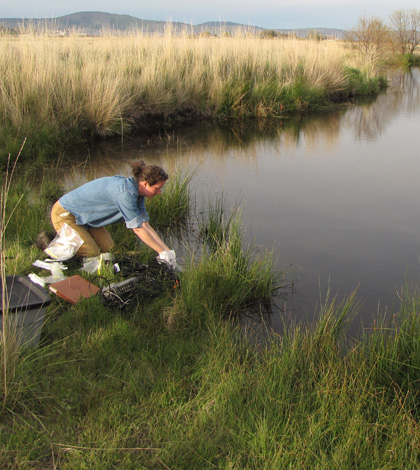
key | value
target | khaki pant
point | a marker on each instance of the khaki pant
(96, 240)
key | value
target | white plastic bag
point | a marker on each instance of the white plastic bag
(37, 280)
(96, 264)
(65, 244)
(55, 267)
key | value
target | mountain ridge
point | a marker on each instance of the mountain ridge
(95, 22)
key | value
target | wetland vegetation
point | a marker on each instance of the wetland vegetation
(174, 381)
(56, 90)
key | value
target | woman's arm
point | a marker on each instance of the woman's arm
(150, 237)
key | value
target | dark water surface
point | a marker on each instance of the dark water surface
(337, 195)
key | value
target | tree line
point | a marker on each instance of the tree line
(376, 38)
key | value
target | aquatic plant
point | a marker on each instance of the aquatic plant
(226, 274)
(173, 207)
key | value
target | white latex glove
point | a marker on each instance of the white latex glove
(169, 257)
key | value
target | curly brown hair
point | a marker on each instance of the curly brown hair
(153, 174)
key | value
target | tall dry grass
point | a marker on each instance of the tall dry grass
(9, 334)
(104, 84)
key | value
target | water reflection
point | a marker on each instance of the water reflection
(336, 195)
(370, 120)
(191, 147)
(251, 138)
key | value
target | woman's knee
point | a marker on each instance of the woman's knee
(88, 250)
(102, 238)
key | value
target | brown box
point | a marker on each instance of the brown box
(74, 288)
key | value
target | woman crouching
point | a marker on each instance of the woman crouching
(104, 201)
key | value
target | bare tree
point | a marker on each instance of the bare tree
(406, 29)
(371, 37)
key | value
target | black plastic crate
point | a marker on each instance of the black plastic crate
(25, 303)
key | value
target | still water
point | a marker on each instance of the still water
(336, 196)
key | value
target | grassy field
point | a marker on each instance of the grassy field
(174, 383)
(57, 90)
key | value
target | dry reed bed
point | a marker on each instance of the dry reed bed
(104, 84)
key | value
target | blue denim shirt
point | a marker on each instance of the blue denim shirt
(107, 200)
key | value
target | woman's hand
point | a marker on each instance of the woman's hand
(169, 257)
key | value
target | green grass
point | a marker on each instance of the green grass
(359, 84)
(173, 382)
(404, 61)
(129, 392)
(215, 222)
(172, 209)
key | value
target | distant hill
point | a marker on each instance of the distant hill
(95, 22)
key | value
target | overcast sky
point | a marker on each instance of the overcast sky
(276, 14)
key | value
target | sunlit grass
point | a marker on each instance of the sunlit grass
(59, 89)
(174, 382)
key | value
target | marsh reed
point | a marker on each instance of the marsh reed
(53, 88)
